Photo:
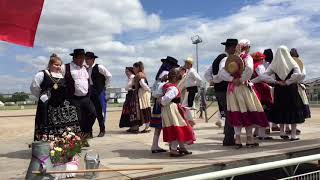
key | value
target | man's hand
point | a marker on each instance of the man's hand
(211, 83)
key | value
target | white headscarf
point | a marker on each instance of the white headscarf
(282, 63)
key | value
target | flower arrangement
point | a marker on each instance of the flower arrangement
(65, 147)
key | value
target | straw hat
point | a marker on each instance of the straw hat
(189, 60)
(234, 64)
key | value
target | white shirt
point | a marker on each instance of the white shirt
(295, 77)
(144, 85)
(130, 81)
(80, 76)
(246, 74)
(193, 78)
(102, 70)
(171, 93)
(38, 79)
(209, 77)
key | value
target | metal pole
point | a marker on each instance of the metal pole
(197, 57)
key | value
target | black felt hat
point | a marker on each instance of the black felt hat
(170, 60)
(78, 52)
(91, 55)
(230, 42)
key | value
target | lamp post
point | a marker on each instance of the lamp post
(196, 40)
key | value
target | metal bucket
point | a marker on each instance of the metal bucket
(40, 161)
(92, 161)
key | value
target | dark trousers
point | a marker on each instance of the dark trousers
(99, 101)
(192, 91)
(228, 129)
(86, 112)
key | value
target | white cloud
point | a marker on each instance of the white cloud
(121, 32)
(10, 84)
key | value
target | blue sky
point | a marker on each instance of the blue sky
(122, 32)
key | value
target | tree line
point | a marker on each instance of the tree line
(17, 96)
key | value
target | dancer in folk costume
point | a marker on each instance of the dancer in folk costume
(262, 90)
(99, 79)
(129, 116)
(144, 96)
(267, 61)
(244, 107)
(212, 76)
(301, 87)
(156, 122)
(177, 129)
(288, 106)
(54, 112)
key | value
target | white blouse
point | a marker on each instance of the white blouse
(171, 93)
(130, 81)
(295, 77)
(144, 85)
(38, 79)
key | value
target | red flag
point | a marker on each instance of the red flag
(19, 20)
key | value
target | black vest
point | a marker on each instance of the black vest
(222, 86)
(98, 80)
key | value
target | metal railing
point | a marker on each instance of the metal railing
(315, 175)
(231, 173)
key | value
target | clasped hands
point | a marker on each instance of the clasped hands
(236, 81)
(281, 83)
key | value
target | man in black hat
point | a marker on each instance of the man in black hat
(220, 87)
(77, 79)
(99, 78)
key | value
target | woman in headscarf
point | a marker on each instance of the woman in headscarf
(243, 106)
(288, 106)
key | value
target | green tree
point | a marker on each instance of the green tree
(19, 96)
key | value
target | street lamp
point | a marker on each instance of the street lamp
(196, 40)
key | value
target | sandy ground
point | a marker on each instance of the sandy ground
(118, 149)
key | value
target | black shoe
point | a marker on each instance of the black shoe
(265, 138)
(101, 134)
(228, 144)
(90, 135)
(158, 151)
(294, 139)
(285, 137)
(238, 146)
(184, 151)
(252, 145)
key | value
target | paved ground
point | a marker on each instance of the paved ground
(121, 150)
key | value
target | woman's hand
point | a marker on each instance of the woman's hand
(281, 83)
(236, 81)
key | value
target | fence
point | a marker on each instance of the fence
(315, 175)
(231, 173)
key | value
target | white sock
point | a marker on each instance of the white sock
(262, 132)
(249, 131)
(282, 132)
(294, 131)
(155, 141)
(237, 130)
(174, 145)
